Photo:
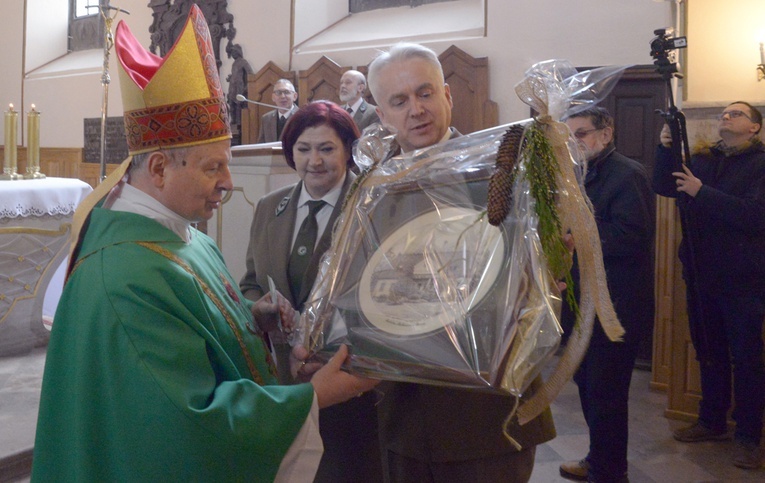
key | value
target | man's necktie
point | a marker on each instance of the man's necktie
(303, 248)
(280, 122)
(350, 110)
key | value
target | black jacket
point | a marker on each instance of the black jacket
(624, 213)
(726, 219)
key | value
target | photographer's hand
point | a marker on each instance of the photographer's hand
(666, 136)
(687, 182)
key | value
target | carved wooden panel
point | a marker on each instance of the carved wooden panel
(468, 79)
(667, 275)
(54, 162)
(320, 81)
(684, 391)
(259, 88)
(61, 162)
(633, 103)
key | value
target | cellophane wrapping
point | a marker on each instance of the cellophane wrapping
(419, 285)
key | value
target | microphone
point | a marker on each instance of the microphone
(241, 98)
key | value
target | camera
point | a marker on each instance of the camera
(661, 46)
(663, 43)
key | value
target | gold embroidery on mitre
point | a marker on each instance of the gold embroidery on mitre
(182, 104)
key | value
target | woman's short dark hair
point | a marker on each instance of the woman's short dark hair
(320, 113)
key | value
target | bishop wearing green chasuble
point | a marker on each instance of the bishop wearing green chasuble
(156, 368)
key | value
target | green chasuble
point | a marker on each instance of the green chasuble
(152, 373)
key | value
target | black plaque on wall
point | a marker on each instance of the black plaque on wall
(116, 149)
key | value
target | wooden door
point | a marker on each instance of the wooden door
(633, 103)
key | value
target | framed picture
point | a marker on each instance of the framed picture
(423, 295)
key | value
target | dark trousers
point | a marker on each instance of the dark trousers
(351, 442)
(604, 384)
(732, 337)
(507, 468)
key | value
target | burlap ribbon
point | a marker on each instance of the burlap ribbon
(576, 216)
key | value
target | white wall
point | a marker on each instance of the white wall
(520, 33)
(12, 34)
(47, 28)
(723, 51)
(317, 13)
(69, 90)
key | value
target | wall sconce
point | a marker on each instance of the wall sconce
(761, 66)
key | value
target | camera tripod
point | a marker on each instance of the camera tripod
(681, 155)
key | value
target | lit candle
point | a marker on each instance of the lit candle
(762, 53)
(11, 124)
(33, 139)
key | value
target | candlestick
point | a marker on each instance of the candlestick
(33, 145)
(10, 159)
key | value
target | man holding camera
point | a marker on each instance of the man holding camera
(721, 195)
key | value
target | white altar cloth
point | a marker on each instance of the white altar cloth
(35, 223)
(40, 197)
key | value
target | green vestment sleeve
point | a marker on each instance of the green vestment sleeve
(151, 372)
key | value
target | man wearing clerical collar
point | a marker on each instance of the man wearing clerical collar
(721, 196)
(177, 187)
(431, 433)
(157, 366)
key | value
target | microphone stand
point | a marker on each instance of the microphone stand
(241, 98)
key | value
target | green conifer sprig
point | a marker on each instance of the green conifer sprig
(541, 171)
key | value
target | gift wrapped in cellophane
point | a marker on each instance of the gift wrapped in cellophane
(438, 272)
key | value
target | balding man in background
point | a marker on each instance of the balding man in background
(352, 87)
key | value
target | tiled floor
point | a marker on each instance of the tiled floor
(653, 455)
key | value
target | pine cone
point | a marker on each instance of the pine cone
(500, 197)
(507, 153)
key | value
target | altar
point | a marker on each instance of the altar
(35, 223)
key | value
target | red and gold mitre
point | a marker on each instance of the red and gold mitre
(169, 103)
(174, 101)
